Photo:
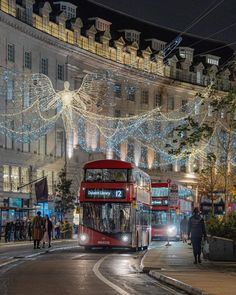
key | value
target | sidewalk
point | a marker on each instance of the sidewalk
(174, 265)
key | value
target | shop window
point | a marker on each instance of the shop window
(15, 179)
(6, 178)
(25, 179)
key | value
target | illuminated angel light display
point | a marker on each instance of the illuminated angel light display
(33, 108)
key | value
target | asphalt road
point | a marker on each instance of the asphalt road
(74, 271)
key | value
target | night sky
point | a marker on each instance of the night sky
(180, 14)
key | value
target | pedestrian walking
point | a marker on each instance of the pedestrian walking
(8, 229)
(196, 231)
(58, 230)
(29, 229)
(37, 230)
(17, 230)
(184, 229)
(47, 232)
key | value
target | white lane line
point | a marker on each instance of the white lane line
(12, 259)
(106, 281)
(8, 262)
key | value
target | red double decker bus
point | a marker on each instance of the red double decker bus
(165, 220)
(115, 206)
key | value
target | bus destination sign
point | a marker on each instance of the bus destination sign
(105, 193)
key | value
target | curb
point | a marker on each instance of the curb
(178, 284)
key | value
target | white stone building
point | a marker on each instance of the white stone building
(65, 42)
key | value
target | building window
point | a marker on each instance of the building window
(185, 53)
(143, 158)
(15, 178)
(61, 30)
(44, 66)
(130, 151)
(117, 90)
(158, 100)
(25, 179)
(45, 21)
(170, 103)
(117, 113)
(28, 14)
(131, 93)
(10, 90)
(210, 111)
(50, 181)
(26, 97)
(132, 36)
(9, 142)
(184, 106)
(196, 108)
(60, 72)
(213, 61)
(144, 97)
(28, 60)
(6, 178)
(59, 144)
(11, 52)
(199, 77)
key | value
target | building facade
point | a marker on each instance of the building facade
(66, 41)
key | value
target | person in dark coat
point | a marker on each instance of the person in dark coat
(37, 230)
(196, 230)
(29, 229)
(8, 229)
(47, 231)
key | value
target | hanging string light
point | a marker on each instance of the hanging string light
(33, 107)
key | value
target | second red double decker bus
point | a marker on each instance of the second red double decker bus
(165, 223)
(115, 202)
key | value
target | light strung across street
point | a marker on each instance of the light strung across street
(33, 107)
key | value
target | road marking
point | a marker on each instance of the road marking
(106, 281)
(12, 259)
(8, 262)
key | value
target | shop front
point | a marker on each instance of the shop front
(14, 208)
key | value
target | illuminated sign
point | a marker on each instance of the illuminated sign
(105, 193)
(15, 202)
(160, 191)
(160, 202)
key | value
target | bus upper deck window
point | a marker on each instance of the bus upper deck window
(130, 176)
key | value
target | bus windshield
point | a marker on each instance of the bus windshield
(107, 217)
(160, 218)
(106, 175)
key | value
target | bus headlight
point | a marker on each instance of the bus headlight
(125, 238)
(171, 230)
(83, 238)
